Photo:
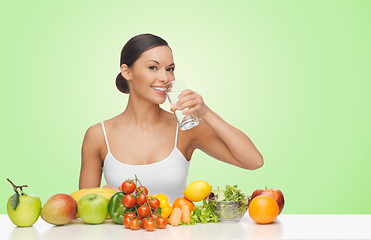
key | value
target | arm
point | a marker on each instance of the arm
(217, 138)
(91, 164)
(226, 143)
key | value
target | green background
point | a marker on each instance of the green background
(293, 75)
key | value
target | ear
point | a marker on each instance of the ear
(125, 72)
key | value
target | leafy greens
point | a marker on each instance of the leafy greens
(202, 214)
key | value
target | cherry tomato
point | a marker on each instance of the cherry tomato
(130, 215)
(149, 225)
(144, 220)
(154, 216)
(126, 222)
(141, 199)
(154, 203)
(161, 222)
(135, 224)
(128, 200)
(141, 189)
(143, 211)
(128, 186)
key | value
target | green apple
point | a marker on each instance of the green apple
(23, 210)
(93, 208)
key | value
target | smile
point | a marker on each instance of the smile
(160, 90)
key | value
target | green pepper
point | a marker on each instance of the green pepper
(116, 208)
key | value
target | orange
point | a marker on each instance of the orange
(263, 209)
(181, 201)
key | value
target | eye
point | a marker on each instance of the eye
(153, 67)
(170, 69)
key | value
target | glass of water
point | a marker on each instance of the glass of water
(185, 122)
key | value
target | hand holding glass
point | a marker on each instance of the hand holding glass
(185, 122)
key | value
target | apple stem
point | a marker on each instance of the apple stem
(15, 187)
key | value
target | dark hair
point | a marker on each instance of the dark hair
(132, 50)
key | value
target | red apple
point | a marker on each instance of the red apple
(60, 209)
(273, 193)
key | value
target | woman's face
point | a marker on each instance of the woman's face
(151, 72)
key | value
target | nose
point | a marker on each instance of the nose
(165, 78)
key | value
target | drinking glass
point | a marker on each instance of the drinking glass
(185, 122)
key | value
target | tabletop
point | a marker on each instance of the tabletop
(286, 226)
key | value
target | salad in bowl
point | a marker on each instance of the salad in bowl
(229, 205)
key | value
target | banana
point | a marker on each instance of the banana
(105, 192)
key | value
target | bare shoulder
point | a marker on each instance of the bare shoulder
(94, 138)
(97, 129)
(94, 131)
(94, 143)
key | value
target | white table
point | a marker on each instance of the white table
(286, 226)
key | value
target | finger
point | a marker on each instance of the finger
(196, 99)
(174, 107)
(185, 99)
(188, 104)
(185, 92)
(193, 110)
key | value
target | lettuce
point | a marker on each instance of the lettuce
(202, 214)
(209, 211)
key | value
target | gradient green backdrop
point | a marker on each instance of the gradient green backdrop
(293, 75)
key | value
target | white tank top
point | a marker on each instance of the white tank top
(168, 176)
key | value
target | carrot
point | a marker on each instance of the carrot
(170, 217)
(186, 214)
(175, 217)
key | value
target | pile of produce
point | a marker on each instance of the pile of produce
(133, 208)
(266, 205)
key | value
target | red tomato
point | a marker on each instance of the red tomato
(142, 189)
(154, 216)
(126, 222)
(134, 224)
(161, 222)
(128, 186)
(128, 200)
(141, 199)
(154, 203)
(149, 225)
(144, 220)
(143, 211)
(130, 215)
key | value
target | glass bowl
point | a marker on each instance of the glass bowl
(229, 211)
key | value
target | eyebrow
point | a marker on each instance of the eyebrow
(159, 63)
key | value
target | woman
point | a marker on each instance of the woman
(144, 140)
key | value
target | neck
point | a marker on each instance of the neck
(141, 112)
